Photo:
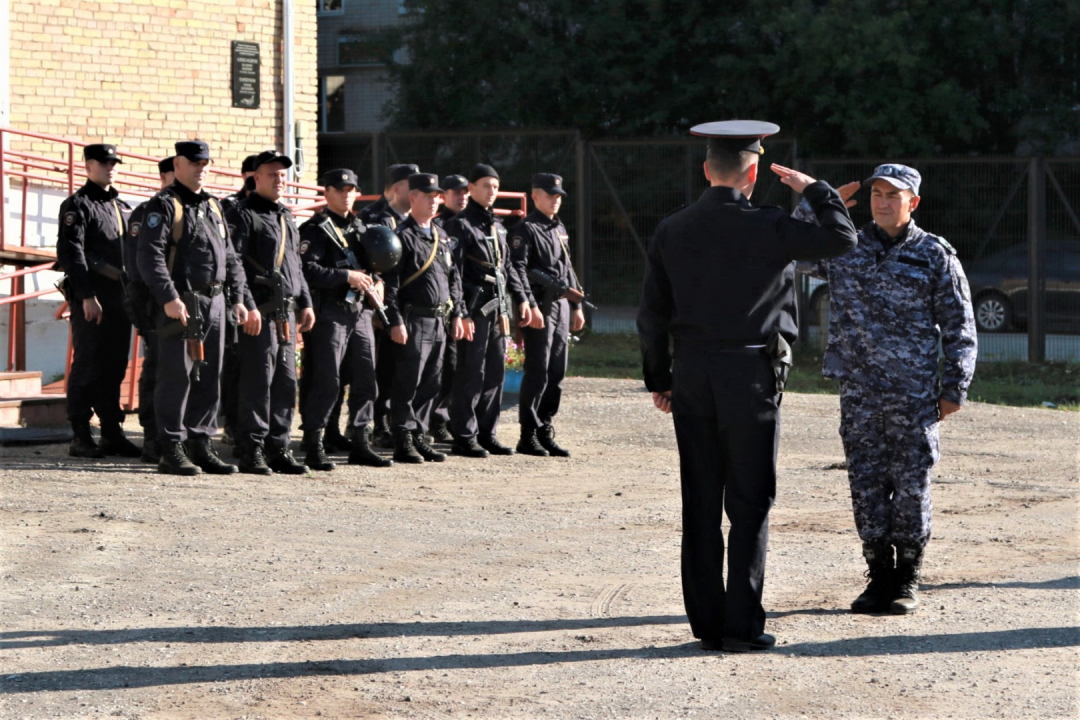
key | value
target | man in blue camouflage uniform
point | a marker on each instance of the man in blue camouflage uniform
(892, 299)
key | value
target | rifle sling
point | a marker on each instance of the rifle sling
(431, 258)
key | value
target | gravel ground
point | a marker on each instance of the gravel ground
(522, 587)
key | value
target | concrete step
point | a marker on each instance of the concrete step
(38, 411)
(20, 384)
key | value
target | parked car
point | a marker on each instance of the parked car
(999, 288)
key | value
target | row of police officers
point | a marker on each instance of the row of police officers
(407, 305)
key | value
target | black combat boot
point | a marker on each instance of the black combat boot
(82, 444)
(282, 461)
(468, 448)
(908, 568)
(493, 446)
(879, 590)
(529, 444)
(253, 459)
(440, 433)
(333, 441)
(174, 460)
(404, 450)
(202, 453)
(315, 452)
(382, 437)
(546, 435)
(151, 449)
(426, 451)
(362, 454)
(115, 442)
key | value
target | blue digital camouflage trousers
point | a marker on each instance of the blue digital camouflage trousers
(891, 444)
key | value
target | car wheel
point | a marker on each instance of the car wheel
(993, 313)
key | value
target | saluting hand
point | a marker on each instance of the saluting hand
(794, 179)
(846, 191)
(662, 401)
(175, 309)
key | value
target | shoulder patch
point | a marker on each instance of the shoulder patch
(304, 246)
(944, 243)
(153, 220)
(134, 229)
(69, 218)
(516, 242)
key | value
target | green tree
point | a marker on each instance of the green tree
(851, 77)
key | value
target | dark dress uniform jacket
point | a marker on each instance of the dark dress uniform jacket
(256, 216)
(325, 266)
(89, 234)
(469, 229)
(436, 285)
(381, 213)
(537, 242)
(720, 272)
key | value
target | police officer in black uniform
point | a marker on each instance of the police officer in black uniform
(540, 243)
(720, 279)
(89, 249)
(329, 244)
(422, 292)
(389, 210)
(268, 243)
(186, 259)
(142, 311)
(482, 255)
(247, 170)
(455, 197)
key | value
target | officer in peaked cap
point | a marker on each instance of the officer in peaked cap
(247, 169)
(422, 296)
(893, 396)
(186, 260)
(720, 280)
(342, 343)
(268, 242)
(455, 197)
(142, 313)
(90, 251)
(540, 243)
(389, 210)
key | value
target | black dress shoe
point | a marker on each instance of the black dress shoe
(493, 446)
(764, 641)
(711, 645)
(468, 448)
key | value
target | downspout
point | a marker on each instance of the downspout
(289, 119)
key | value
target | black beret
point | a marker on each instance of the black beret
(399, 172)
(193, 150)
(101, 152)
(482, 171)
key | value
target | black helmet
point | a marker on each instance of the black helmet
(382, 247)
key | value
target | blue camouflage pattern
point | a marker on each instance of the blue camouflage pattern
(892, 305)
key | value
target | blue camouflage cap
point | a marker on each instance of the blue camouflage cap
(899, 176)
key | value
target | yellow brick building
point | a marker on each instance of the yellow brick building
(143, 74)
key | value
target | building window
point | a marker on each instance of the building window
(331, 7)
(332, 107)
(362, 51)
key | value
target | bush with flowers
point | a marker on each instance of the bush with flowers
(515, 355)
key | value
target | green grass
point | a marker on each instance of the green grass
(999, 383)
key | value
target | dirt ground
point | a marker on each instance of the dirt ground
(523, 587)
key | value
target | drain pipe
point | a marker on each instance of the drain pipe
(289, 119)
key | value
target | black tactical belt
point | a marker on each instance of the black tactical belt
(210, 290)
(429, 311)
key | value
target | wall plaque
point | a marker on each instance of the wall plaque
(245, 74)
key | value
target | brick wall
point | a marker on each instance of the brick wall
(143, 74)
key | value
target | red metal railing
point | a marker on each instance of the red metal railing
(63, 171)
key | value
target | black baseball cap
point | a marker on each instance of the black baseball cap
(454, 182)
(482, 171)
(399, 172)
(340, 178)
(249, 164)
(193, 150)
(101, 152)
(549, 182)
(426, 182)
(735, 136)
(271, 156)
(166, 166)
